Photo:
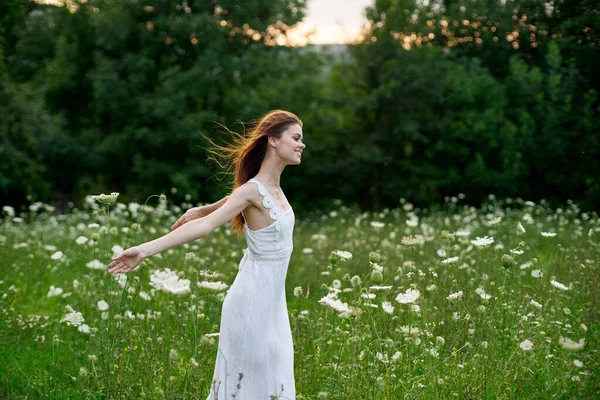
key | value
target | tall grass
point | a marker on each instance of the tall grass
(418, 311)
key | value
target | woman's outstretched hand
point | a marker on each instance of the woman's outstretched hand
(126, 261)
(192, 214)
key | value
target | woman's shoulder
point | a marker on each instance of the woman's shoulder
(248, 191)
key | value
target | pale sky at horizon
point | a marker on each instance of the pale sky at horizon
(333, 21)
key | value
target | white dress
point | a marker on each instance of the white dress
(256, 356)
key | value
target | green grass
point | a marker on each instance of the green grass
(433, 348)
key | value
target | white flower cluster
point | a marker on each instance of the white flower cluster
(387, 307)
(526, 345)
(483, 294)
(106, 199)
(451, 260)
(168, 281)
(569, 344)
(483, 242)
(409, 296)
(455, 296)
(412, 240)
(96, 264)
(558, 285)
(336, 304)
(216, 286)
(75, 318)
(343, 255)
(54, 291)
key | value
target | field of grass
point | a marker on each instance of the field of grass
(496, 302)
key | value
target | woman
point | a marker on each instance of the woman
(255, 358)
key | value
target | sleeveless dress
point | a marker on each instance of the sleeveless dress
(256, 356)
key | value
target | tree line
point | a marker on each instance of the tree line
(438, 98)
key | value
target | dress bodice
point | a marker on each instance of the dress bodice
(276, 239)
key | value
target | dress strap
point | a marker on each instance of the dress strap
(267, 201)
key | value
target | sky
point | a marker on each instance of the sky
(331, 21)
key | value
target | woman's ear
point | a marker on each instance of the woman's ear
(272, 141)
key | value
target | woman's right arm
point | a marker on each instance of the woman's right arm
(199, 228)
(199, 212)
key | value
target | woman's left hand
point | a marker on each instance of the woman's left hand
(126, 261)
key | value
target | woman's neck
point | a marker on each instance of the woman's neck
(270, 172)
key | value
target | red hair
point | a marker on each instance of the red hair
(246, 153)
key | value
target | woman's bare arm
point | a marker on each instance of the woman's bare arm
(196, 229)
(199, 212)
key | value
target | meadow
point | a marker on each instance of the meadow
(495, 302)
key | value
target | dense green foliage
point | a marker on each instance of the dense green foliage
(425, 311)
(457, 96)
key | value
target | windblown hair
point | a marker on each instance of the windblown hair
(244, 156)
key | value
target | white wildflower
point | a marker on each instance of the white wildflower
(520, 229)
(387, 307)
(558, 285)
(102, 305)
(106, 199)
(412, 240)
(96, 264)
(535, 304)
(409, 296)
(526, 345)
(483, 242)
(451, 260)
(338, 306)
(462, 233)
(380, 287)
(10, 211)
(577, 363)
(57, 256)
(455, 296)
(116, 249)
(144, 295)
(216, 286)
(526, 265)
(482, 294)
(569, 344)
(168, 281)
(54, 291)
(339, 255)
(548, 234)
(298, 291)
(377, 224)
(84, 328)
(72, 317)
(537, 273)
(81, 240)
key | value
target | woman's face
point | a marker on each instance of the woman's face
(289, 146)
